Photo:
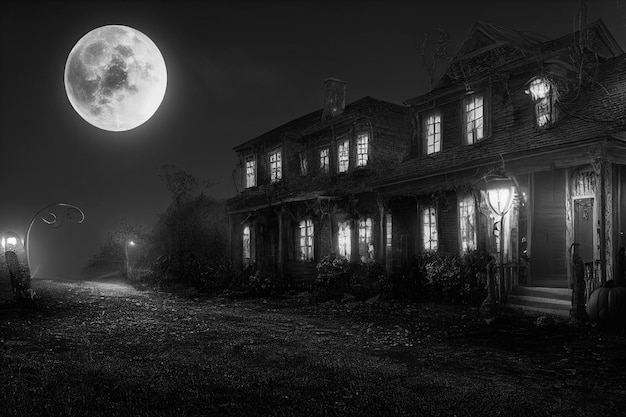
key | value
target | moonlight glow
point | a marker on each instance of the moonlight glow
(115, 78)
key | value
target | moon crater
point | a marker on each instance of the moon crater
(115, 78)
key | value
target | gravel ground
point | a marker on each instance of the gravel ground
(106, 348)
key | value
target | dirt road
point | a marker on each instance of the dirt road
(105, 348)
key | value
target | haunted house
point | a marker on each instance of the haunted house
(520, 150)
(304, 187)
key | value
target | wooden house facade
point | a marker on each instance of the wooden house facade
(303, 188)
(520, 150)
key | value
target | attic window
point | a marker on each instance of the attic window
(542, 93)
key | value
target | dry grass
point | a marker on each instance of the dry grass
(105, 349)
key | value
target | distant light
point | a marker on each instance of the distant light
(131, 243)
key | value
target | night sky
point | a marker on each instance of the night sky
(235, 71)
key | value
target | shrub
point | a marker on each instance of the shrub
(460, 278)
(333, 273)
(368, 279)
(255, 282)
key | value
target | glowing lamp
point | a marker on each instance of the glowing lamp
(500, 193)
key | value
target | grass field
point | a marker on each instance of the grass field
(107, 349)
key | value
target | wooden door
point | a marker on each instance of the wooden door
(548, 258)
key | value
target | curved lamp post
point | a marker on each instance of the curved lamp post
(53, 220)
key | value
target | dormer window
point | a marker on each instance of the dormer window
(250, 171)
(474, 118)
(276, 166)
(542, 93)
(362, 149)
(343, 156)
(432, 132)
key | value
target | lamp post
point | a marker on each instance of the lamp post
(498, 195)
(55, 221)
(128, 269)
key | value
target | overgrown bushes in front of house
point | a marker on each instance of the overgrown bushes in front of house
(459, 278)
(253, 281)
(337, 276)
(430, 275)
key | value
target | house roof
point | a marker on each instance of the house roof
(601, 115)
(512, 47)
(312, 122)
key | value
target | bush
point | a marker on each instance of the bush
(333, 273)
(336, 276)
(459, 278)
(255, 282)
(368, 279)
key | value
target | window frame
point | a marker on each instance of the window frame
(486, 131)
(362, 162)
(250, 158)
(435, 114)
(275, 176)
(464, 203)
(344, 232)
(324, 160)
(433, 226)
(549, 101)
(366, 239)
(306, 241)
(247, 249)
(346, 152)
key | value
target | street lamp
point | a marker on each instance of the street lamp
(498, 195)
(128, 270)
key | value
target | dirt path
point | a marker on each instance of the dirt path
(105, 348)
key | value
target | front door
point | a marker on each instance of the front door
(548, 257)
(583, 228)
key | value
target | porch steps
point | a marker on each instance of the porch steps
(544, 300)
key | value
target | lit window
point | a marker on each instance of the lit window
(388, 241)
(389, 233)
(343, 155)
(429, 228)
(250, 171)
(362, 145)
(432, 131)
(304, 165)
(276, 169)
(324, 160)
(246, 245)
(343, 240)
(541, 92)
(475, 118)
(467, 224)
(305, 240)
(366, 244)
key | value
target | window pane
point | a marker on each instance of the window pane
(343, 156)
(362, 149)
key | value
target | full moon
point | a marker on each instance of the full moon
(115, 78)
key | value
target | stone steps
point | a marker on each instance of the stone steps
(544, 300)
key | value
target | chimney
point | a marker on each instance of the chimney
(334, 98)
